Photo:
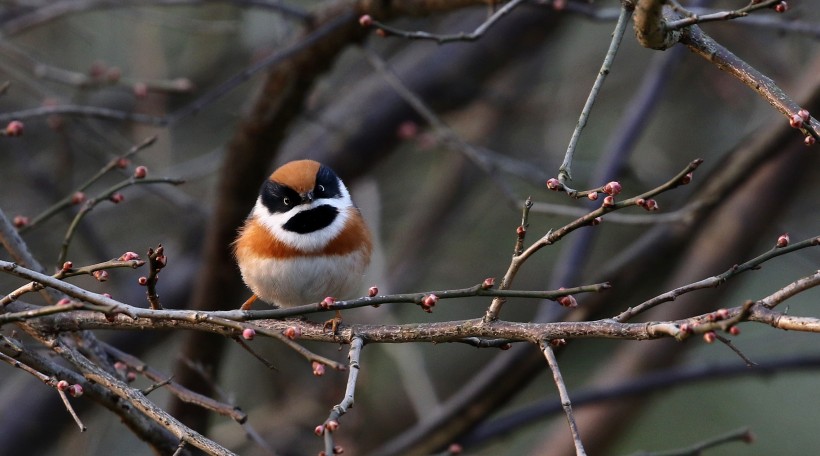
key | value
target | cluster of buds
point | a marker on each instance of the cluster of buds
(125, 372)
(796, 120)
(648, 204)
(428, 302)
(129, 256)
(366, 21)
(718, 315)
(101, 275)
(75, 390)
(612, 188)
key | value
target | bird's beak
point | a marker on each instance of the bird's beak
(307, 197)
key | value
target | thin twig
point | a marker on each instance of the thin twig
(702, 44)
(737, 351)
(342, 407)
(106, 195)
(70, 410)
(484, 159)
(68, 200)
(554, 236)
(442, 39)
(564, 395)
(564, 172)
(717, 280)
(739, 435)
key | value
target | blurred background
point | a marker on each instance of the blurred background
(233, 89)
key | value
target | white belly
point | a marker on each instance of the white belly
(294, 282)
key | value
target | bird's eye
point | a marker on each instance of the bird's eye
(321, 188)
(286, 201)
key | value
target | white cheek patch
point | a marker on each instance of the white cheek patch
(307, 242)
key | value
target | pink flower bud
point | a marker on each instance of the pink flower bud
(64, 302)
(366, 21)
(687, 178)
(292, 332)
(129, 256)
(796, 121)
(117, 198)
(554, 184)
(248, 333)
(122, 163)
(142, 280)
(328, 302)
(612, 188)
(77, 197)
(429, 300)
(709, 337)
(568, 301)
(14, 128)
(101, 275)
(592, 196)
(68, 265)
(804, 114)
(407, 130)
(609, 201)
(781, 7)
(734, 330)
(372, 291)
(75, 390)
(20, 221)
(319, 430)
(319, 370)
(783, 240)
(651, 205)
(809, 140)
(62, 385)
(140, 172)
(558, 342)
(332, 425)
(488, 283)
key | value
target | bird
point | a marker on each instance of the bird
(304, 240)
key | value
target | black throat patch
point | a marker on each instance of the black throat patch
(312, 220)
